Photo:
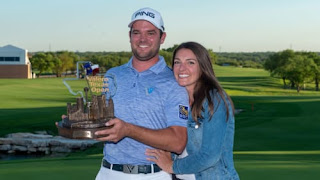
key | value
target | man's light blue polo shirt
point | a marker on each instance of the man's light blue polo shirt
(151, 99)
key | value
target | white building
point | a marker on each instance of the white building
(14, 63)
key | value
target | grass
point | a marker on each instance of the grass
(53, 168)
(276, 136)
(34, 104)
(277, 166)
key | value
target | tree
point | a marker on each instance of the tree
(67, 59)
(299, 69)
(213, 56)
(276, 64)
(41, 62)
(57, 68)
(167, 55)
(171, 49)
(253, 60)
(316, 71)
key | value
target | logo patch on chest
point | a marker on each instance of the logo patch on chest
(183, 112)
(149, 90)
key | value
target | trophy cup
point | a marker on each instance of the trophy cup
(86, 117)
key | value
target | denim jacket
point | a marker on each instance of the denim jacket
(210, 145)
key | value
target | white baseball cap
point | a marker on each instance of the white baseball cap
(150, 15)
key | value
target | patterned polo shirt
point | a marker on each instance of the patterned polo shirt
(151, 99)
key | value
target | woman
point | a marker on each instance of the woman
(210, 124)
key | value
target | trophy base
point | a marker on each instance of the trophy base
(79, 133)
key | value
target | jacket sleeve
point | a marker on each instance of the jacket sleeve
(213, 136)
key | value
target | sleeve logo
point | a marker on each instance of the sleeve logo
(183, 112)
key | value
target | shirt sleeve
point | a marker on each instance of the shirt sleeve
(177, 106)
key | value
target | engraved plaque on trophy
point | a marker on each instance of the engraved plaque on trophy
(86, 117)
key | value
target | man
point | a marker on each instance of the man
(151, 109)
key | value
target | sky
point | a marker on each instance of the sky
(220, 25)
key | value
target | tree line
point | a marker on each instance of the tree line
(61, 62)
(64, 61)
(296, 67)
(243, 59)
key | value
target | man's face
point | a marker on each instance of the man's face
(145, 40)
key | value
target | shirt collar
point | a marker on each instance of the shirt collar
(156, 68)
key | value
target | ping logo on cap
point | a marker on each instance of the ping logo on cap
(141, 13)
(148, 14)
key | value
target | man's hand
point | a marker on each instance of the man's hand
(62, 117)
(118, 130)
(172, 139)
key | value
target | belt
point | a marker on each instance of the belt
(132, 169)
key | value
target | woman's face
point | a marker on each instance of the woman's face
(186, 68)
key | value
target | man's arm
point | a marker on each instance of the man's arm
(173, 138)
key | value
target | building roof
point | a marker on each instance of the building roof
(11, 48)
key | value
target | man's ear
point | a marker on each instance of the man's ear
(163, 37)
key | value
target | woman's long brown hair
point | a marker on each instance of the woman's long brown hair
(207, 84)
